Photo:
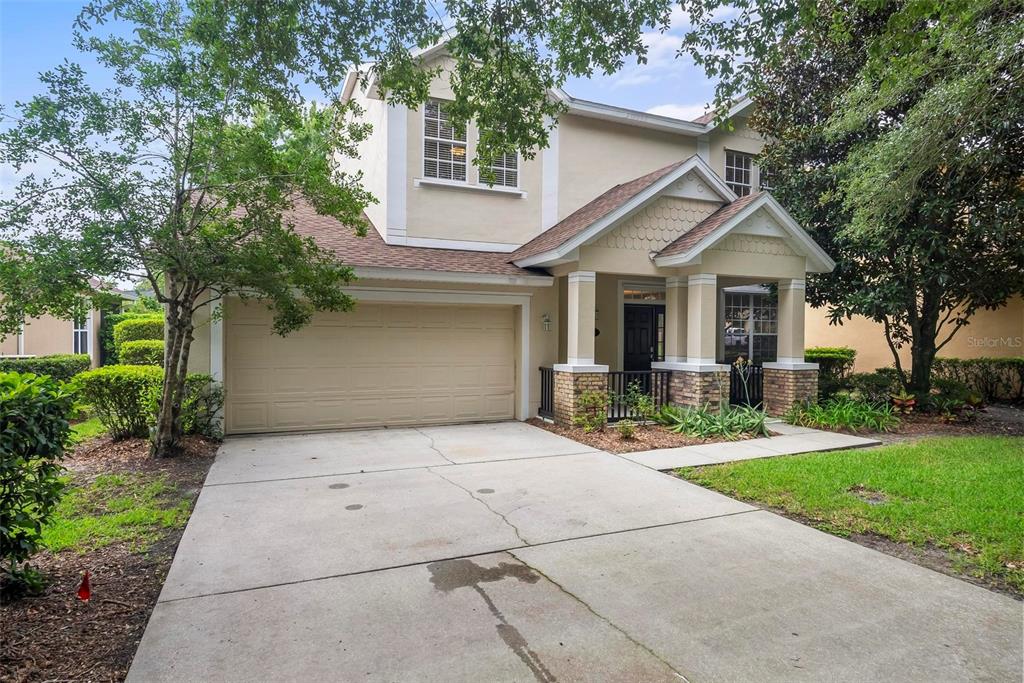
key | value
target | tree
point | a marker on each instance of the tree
(182, 174)
(896, 136)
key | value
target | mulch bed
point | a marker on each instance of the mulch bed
(646, 438)
(995, 420)
(55, 636)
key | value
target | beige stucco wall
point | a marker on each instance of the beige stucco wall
(741, 138)
(371, 159)
(47, 335)
(998, 333)
(596, 155)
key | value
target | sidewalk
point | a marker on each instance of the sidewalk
(792, 440)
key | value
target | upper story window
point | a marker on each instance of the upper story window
(80, 335)
(738, 176)
(444, 145)
(506, 170)
(765, 182)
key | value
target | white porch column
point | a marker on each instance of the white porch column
(702, 319)
(581, 304)
(675, 319)
(791, 322)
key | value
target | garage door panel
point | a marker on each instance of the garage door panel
(378, 365)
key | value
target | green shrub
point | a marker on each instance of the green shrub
(142, 352)
(639, 403)
(61, 367)
(108, 351)
(126, 399)
(843, 412)
(592, 410)
(731, 422)
(122, 396)
(872, 387)
(626, 429)
(994, 379)
(34, 432)
(134, 329)
(835, 363)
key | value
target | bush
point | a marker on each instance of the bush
(126, 399)
(134, 329)
(626, 429)
(843, 412)
(730, 423)
(639, 403)
(108, 351)
(872, 387)
(142, 352)
(34, 432)
(121, 396)
(593, 410)
(994, 379)
(61, 366)
(835, 363)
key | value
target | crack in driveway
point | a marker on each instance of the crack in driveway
(483, 502)
(600, 616)
(432, 446)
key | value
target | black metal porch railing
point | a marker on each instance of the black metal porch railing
(749, 392)
(547, 393)
(654, 383)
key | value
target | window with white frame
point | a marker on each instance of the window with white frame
(738, 172)
(764, 179)
(80, 334)
(444, 144)
(506, 170)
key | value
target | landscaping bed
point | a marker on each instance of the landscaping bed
(121, 519)
(645, 438)
(952, 504)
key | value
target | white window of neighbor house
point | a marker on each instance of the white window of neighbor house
(738, 172)
(80, 334)
(444, 145)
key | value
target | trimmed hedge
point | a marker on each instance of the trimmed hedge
(134, 329)
(142, 352)
(61, 366)
(34, 432)
(108, 351)
(835, 365)
(121, 396)
(994, 379)
(126, 399)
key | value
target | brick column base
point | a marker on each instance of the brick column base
(699, 389)
(783, 388)
(569, 386)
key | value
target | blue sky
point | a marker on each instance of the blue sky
(36, 34)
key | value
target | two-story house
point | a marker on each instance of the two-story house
(633, 243)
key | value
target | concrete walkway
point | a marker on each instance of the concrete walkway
(505, 553)
(790, 441)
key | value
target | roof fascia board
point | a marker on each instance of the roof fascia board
(595, 229)
(607, 112)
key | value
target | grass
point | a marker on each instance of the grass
(87, 429)
(116, 508)
(962, 494)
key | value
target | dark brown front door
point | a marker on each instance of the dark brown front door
(640, 336)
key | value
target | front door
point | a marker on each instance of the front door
(643, 326)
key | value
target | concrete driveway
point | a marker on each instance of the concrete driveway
(502, 552)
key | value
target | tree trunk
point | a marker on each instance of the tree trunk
(168, 431)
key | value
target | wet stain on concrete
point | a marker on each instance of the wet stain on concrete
(485, 490)
(452, 574)
(353, 507)
(338, 486)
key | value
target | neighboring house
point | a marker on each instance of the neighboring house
(635, 242)
(47, 335)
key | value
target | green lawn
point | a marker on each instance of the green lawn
(87, 429)
(115, 508)
(963, 494)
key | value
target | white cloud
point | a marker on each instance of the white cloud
(686, 112)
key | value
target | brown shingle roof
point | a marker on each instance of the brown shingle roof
(691, 237)
(705, 118)
(582, 218)
(373, 251)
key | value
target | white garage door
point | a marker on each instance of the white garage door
(381, 364)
